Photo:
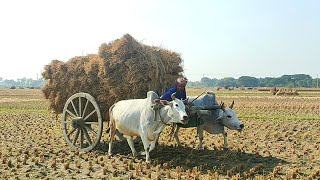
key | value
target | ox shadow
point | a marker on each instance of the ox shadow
(207, 159)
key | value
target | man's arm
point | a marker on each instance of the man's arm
(167, 95)
(184, 95)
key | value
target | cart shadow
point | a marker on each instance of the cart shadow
(207, 159)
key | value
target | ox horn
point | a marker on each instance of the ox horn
(173, 96)
(231, 106)
(222, 105)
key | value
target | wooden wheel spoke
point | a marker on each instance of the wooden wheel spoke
(85, 108)
(71, 114)
(87, 136)
(89, 115)
(76, 137)
(91, 122)
(80, 106)
(89, 128)
(72, 131)
(74, 108)
(81, 138)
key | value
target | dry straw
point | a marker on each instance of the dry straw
(122, 69)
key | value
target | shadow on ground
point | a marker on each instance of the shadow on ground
(207, 159)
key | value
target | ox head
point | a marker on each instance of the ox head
(176, 110)
(229, 118)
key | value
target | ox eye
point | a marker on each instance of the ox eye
(177, 105)
(228, 116)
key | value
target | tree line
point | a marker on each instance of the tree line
(290, 81)
(22, 83)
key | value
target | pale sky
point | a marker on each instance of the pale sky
(226, 38)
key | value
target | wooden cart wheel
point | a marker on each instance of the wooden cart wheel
(82, 122)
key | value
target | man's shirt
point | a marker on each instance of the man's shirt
(179, 94)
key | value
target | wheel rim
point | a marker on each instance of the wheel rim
(82, 122)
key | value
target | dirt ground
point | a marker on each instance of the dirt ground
(33, 145)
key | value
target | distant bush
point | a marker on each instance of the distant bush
(12, 87)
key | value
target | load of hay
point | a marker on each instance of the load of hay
(273, 91)
(122, 69)
(286, 92)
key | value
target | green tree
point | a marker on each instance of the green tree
(248, 81)
(207, 82)
(227, 81)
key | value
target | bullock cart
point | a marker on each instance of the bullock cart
(122, 69)
(82, 123)
(82, 120)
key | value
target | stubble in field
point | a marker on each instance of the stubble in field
(280, 140)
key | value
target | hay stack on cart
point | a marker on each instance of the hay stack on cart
(84, 88)
(122, 69)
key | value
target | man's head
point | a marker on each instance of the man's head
(181, 83)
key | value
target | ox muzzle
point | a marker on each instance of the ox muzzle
(240, 127)
(185, 120)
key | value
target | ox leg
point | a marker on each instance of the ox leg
(154, 142)
(120, 136)
(152, 146)
(176, 134)
(146, 145)
(112, 134)
(131, 144)
(200, 135)
(157, 139)
(225, 140)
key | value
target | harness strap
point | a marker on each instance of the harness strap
(161, 119)
(156, 107)
(220, 116)
(155, 116)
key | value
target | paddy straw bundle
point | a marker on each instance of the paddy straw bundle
(122, 69)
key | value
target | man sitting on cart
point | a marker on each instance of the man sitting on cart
(179, 88)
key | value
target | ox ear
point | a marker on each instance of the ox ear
(173, 96)
(231, 106)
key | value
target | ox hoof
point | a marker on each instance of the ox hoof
(110, 153)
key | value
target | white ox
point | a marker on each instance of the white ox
(135, 117)
(214, 122)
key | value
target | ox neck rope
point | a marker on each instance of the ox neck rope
(161, 119)
(157, 107)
